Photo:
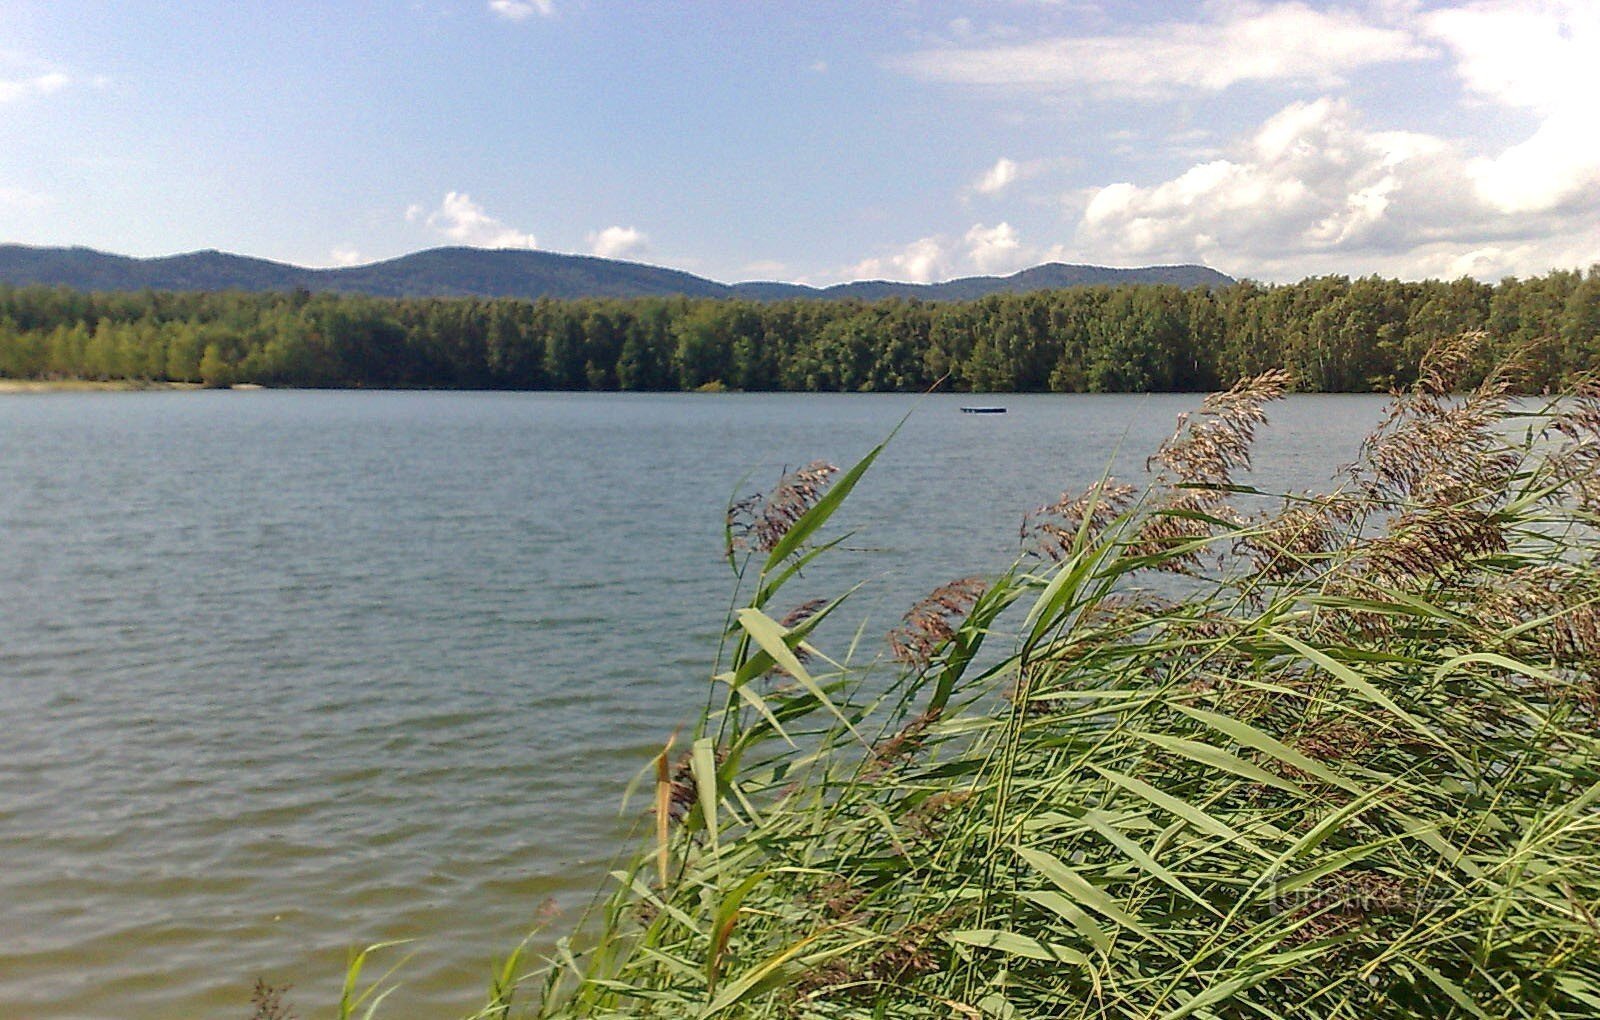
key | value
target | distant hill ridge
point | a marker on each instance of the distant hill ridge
(519, 273)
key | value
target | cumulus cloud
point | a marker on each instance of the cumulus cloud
(1309, 180)
(1543, 57)
(12, 89)
(1312, 190)
(521, 10)
(1282, 42)
(618, 242)
(987, 250)
(997, 178)
(995, 249)
(344, 255)
(921, 261)
(463, 221)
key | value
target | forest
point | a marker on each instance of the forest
(1332, 333)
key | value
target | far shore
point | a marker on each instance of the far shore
(71, 385)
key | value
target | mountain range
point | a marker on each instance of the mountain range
(519, 273)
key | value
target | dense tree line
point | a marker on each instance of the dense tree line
(1333, 333)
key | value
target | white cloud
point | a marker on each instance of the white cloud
(1542, 57)
(12, 89)
(819, 67)
(995, 249)
(521, 10)
(618, 242)
(921, 261)
(997, 178)
(1313, 191)
(463, 221)
(1529, 54)
(345, 255)
(1286, 42)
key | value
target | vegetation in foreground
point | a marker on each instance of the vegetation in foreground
(1333, 333)
(1353, 773)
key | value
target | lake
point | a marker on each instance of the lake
(284, 673)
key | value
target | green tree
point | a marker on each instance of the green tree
(215, 370)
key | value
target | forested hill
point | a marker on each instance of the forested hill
(515, 273)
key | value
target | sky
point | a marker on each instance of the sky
(815, 142)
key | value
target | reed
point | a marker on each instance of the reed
(1354, 772)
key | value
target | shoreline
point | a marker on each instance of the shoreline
(89, 385)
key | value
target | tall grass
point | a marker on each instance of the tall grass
(1352, 772)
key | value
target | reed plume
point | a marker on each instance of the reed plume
(1437, 449)
(758, 522)
(1187, 499)
(931, 622)
(1207, 448)
(1053, 529)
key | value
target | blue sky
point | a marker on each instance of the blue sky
(816, 142)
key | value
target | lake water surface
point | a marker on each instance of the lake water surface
(284, 673)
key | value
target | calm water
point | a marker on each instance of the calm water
(283, 673)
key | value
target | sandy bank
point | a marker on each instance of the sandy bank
(69, 385)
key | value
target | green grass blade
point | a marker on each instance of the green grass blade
(1018, 945)
(1081, 889)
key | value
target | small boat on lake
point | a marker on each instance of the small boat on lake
(983, 410)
